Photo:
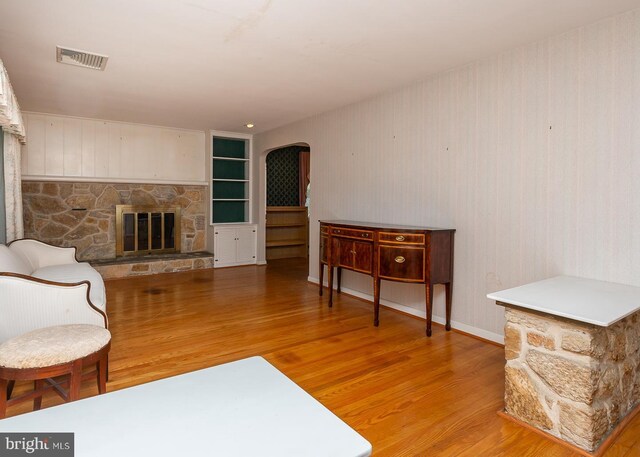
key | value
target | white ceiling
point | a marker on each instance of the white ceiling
(218, 64)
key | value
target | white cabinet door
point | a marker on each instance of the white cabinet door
(246, 248)
(225, 246)
(234, 245)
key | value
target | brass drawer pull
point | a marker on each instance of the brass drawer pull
(399, 259)
(399, 238)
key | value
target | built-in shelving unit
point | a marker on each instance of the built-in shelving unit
(287, 232)
(230, 182)
(234, 236)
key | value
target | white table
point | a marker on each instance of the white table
(243, 408)
(584, 300)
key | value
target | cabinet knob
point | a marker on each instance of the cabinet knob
(399, 238)
(399, 259)
(353, 252)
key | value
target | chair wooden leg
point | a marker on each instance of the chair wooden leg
(37, 401)
(75, 381)
(102, 367)
(3, 398)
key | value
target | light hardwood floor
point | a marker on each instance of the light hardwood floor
(407, 394)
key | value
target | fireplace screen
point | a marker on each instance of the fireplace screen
(142, 230)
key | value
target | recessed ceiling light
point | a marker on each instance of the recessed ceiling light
(249, 125)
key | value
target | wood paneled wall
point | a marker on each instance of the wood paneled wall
(532, 155)
(61, 147)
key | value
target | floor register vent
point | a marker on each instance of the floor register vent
(81, 58)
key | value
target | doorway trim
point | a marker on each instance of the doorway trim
(262, 200)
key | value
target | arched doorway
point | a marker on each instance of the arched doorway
(287, 203)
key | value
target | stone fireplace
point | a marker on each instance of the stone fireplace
(83, 215)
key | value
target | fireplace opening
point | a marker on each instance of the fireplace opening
(143, 230)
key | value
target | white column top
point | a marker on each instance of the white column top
(584, 300)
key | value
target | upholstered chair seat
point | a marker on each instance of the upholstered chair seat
(53, 358)
(50, 346)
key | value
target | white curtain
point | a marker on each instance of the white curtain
(14, 134)
(12, 188)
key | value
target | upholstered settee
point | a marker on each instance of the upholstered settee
(43, 285)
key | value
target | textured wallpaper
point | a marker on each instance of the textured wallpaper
(532, 155)
(283, 175)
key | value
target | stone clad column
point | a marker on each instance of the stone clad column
(573, 380)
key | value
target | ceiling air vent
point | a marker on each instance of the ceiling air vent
(81, 58)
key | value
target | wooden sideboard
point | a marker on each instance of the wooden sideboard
(391, 252)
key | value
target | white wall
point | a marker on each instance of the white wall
(532, 155)
(80, 149)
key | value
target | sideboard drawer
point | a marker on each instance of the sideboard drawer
(401, 263)
(352, 233)
(400, 237)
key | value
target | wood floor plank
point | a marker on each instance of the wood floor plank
(630, 437)
(409, 395)
(617, 450)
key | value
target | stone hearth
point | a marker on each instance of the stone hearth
(152, 264)
(83, 214)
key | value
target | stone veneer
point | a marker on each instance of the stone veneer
(575, 381)
(146, 266)
(83, 214)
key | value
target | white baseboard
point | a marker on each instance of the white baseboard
(495, 337)
(261, 262)
(233, 264)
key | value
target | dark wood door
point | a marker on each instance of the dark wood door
(342, 253)
(363, 256)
